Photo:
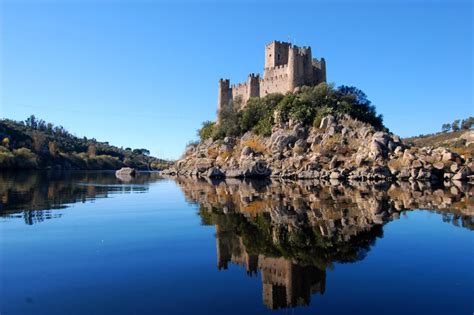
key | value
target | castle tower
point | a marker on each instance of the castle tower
(253, 85)
(292, 68)
(276, 54)
(307, 65)
(323, 70)
(224, 95)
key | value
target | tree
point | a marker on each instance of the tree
(206, 130)
(455, 125)
(446, 127)
(31, 121)
(467, 123)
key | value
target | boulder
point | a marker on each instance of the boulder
(461, 175)
(438, 165)
(246, 151)
(377, 149)
(416, 164)
(327, 121)
(282, 139)
(214, 172)
(126, 171)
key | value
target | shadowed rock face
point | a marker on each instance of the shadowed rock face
(292, 231)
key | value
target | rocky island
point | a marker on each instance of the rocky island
(292, 124)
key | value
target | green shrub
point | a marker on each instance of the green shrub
(7, 158)
(308, 107)
(24, 158)
(207, 130)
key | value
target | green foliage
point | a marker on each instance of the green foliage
(308, 107)
(467, 123)
(207, 130)
(24, 158)
(35, 143)
(458, 124)
(455, 125)
(445, 127)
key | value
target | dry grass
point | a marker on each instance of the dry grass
(213, 152)
(255, 144)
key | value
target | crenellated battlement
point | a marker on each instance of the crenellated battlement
(287, 66)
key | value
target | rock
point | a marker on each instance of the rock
(214, 172)
(246, 151)
(381, 137)
(126, 171)
(234, 173)
(282, 139)
(203, 164)
(416, 164)
(438, 165)
(448, 156)
(300, 146)
(334, 163)
(377, 149)
(462, 174)
(327, 121)
(454, 168)
(398, 150)
(255, 169)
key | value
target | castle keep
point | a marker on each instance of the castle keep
(286, 67)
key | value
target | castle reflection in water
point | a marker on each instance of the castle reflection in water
(289, 232)
(293, 231)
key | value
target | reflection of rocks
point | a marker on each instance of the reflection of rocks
(292, 231)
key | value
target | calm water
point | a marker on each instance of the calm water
(88, 243)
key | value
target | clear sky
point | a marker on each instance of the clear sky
(144, 73)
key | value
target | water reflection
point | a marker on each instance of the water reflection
(290, 233)
(33, 195)
(293, 232)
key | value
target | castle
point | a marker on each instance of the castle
(286, 67)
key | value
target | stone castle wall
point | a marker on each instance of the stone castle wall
(286, 67)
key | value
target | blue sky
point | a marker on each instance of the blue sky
(144, 73)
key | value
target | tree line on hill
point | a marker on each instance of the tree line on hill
(458, 124)
(37, 144)
(307, 106)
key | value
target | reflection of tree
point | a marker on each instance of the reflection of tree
(33, 194)
(293, 231)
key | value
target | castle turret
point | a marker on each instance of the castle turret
(323, 70)
(253, 85)
(292, 68)
(224, 95)
(308, 66)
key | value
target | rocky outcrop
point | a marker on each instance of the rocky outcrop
(341, 149)
(125, 173)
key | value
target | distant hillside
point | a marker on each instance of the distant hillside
(36, 144)
(461, 142)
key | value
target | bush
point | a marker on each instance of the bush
(308, 107)
(24, 158)
(207, 130)
(7, 158)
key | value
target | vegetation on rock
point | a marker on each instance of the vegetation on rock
(307, 106)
